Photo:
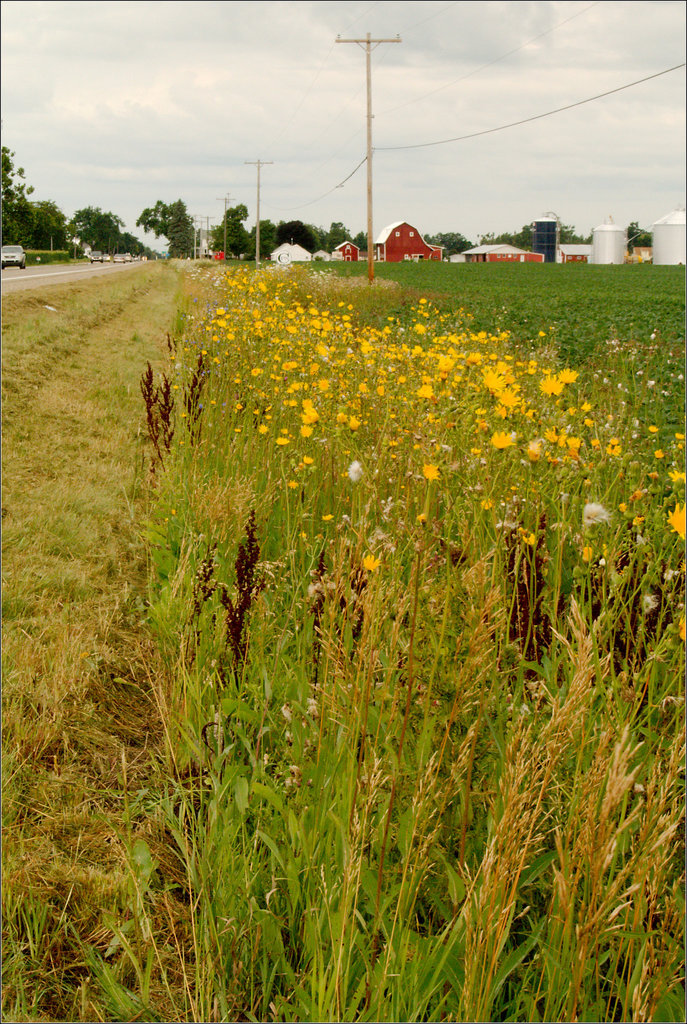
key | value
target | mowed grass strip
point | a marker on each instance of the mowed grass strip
(80, 726)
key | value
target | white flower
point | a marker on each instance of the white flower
(355, 472)
(286, 712)
(649, 602)
(593, 514)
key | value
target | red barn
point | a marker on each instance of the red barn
(401, 241)
(349, 251)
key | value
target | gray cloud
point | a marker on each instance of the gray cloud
(117, 104)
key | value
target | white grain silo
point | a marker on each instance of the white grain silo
(609, 242)
(669, 237)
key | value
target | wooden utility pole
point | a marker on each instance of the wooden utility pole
(226, 198)
(368, 45)
(258, 164)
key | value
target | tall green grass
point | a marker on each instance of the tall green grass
(423, 715)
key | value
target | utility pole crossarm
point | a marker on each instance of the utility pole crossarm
(366, 40)
(368, 44)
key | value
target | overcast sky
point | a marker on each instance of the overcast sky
(119, 104)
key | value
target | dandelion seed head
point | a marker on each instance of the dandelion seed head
(594, 514)
(355, 472)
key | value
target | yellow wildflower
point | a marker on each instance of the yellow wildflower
(370, 563)
(502, 439)
(551, 386)
(568, 376)
(677, 520)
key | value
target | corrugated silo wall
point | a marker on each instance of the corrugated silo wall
(545, 239)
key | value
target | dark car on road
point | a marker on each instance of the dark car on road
(96, 256)
(13, 256)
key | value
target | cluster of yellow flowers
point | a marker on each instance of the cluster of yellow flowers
(425, 392)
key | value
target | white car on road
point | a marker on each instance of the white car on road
(13, 256)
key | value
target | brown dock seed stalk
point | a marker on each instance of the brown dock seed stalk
(159, 404)
(248, 586)
(192, 402)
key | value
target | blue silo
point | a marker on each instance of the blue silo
(545, 233)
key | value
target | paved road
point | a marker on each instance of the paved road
(14, 280)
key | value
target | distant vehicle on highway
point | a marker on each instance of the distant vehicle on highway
(13, 256)
(96, 256)
(106, 257)
(119, 257)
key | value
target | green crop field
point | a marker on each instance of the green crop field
(410, 666)
(584, 306)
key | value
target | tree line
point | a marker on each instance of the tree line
(42, 225)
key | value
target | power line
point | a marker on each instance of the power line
(311, 202)
(535, 117)
(319, 71)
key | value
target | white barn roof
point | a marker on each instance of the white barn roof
(385, 232)
(503, 247)
(575, 250)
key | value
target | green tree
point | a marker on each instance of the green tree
(637, 236)
(155, 219)
(298, 233)
(452, 241)
(97, 228)
(180, 231)
(268, 240)
(521, 239)
(336, 235)
(570, 235)
(129, 243)
(17, 211)
(238, 239)
(171, 221)
(361, 241)
(49, 228)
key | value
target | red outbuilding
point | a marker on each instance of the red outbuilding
(574, 253)
(501, 253)
(401, 241)
(349, 251)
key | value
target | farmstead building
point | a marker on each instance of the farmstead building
(288, 253)
(501, 254)
(574, 253)
(401, 241)
(348, 251)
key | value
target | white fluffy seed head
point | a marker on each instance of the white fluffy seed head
(355, 472)
(593, 514)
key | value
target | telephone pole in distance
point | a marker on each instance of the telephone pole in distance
(226, 198)
(368, 45)
(258, 164)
